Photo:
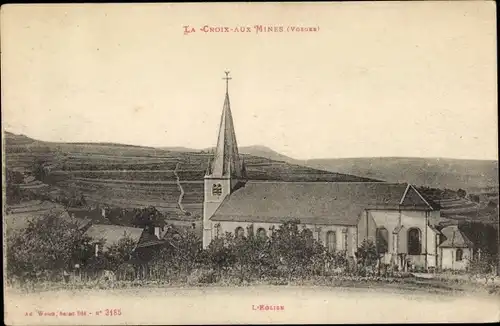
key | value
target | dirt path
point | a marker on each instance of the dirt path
(181, 196)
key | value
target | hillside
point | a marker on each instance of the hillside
(471, 175)
(133, 176)
(172, 180)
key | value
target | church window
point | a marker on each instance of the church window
(414, 242)
(459, 255)
(239, 232)
(345, 236)
(382, 240)
(250, 230)
(261, 233)
(217, 230)
(331, 241)
(217, 189)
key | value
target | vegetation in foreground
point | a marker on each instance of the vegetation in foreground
(39, 257)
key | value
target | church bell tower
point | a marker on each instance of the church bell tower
(225, 171)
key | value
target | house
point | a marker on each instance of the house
(456, 250)
(19, 221)
(132, 217)
(112, 234)
(106, 236)
(93, 215)
(395, 216)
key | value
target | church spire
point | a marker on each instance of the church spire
(227, 160)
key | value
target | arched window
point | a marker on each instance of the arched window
(345, 237)
(217, 230)
(414, 242)
(382, 240)
(261, 233)
(239, 232)
(250, 230)
(459, 255)
(331, 241)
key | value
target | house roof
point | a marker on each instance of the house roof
(82, 213)
(455, 238)
(18, 222)
(81, 223)
(113, 233)
(152, 242)
(433, 228)
(314, 202)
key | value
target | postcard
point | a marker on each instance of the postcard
(250, 163)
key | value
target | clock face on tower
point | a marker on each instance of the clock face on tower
(217, 189)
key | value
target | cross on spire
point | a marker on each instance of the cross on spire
(227, 78)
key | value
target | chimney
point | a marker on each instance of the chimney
(157, 232)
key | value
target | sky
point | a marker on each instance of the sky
(413, 79)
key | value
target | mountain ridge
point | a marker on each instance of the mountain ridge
(437, 172)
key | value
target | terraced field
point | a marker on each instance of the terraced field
(33, 206)
(463, 209)
(133, 176)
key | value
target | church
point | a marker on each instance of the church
(339, 214)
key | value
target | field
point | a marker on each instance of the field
(134, 176)
(222, 305)
(17, 216)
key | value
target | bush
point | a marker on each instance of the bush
(368, 258)
(481, 266)
(288, 254)
(201, 276)
(45, 248)
(494, 289)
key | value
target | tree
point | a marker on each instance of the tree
(14, 177)
(73, 198)
(38, 170)
(220, 254)
(484, 236)
(461, 193)
(45, 247)
(13, 192)
(251, 254)
(187, 250)
(148, 217)
(294, 249)
(119, 253)
(259, 259)
(181, 254)
(367, 255)
(474, 198)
